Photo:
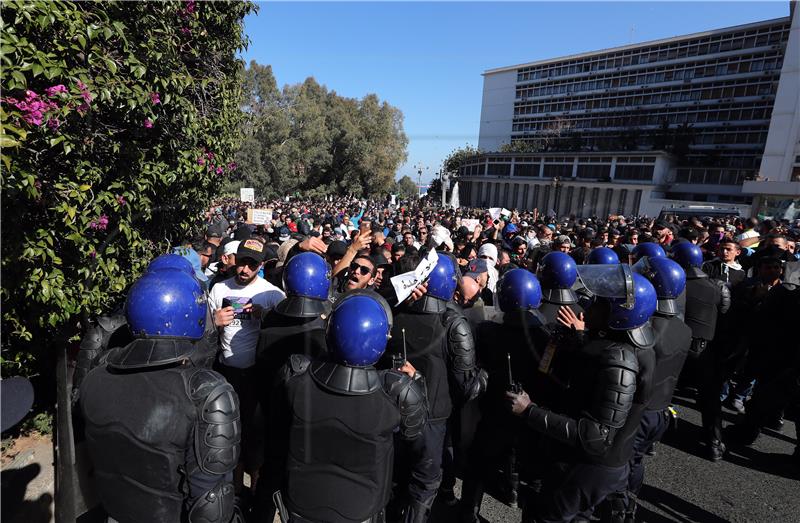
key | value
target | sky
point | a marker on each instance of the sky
(427, 58)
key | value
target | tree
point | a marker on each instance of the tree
(458, 157)
(119, 120)
(434, 193)
(306, 138)
(406, 188)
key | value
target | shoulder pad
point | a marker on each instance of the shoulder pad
(460, 343)
(112, 323)
(217, 428)
(615, 386)
(622, 357)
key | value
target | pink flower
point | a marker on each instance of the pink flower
(121, 201)
(201, 161)
(93, 254)
(210, 156)
(100, 224)
(30, 95)
(148, 124)
(55, 90)
(185, 30)
(34, 118)
(53, 124)
(10, 101)
(82, 86)
(190, 5)
(82, 108)
(232, 166)
(87, 96)
(155, 98)
(220, 170)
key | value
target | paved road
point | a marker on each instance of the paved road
(754, 484)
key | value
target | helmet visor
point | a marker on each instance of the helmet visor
(609, 281)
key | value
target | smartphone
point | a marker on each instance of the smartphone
(238, 303)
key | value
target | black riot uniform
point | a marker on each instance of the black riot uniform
(337, 426)
(610, 383)
(176, 466)
(705, 299)
(439, 344)
(519, 341)
(553, 299)
(673, 338)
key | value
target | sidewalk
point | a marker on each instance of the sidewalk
(28, 481)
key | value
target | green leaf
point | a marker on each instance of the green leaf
(37, 70)
(20, 78)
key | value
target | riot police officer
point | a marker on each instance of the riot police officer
(296, 325)
(705, 299)
(649, 249)
(440, 346)
(557, 275)
(336, 418)
(593, 435)
(511, 352)
(163, 434)
(672, 340)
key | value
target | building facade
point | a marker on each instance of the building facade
(679, 119)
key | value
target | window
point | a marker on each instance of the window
(546, 201)
(536, 189)
(595, 198)
(568, 200)
(607, 204)
(581, 203)
(524, 204)
(623, 195)
(633, 172)
(505, 195)
(637, 202)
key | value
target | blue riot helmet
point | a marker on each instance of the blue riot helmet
(628, 318)
(167, 303)
(519, 290)
(171, 261)
(630, 297)
(358, 329)
(443, 280)
(602, 256)
(687, 254)
(668, 279)
(307, 283)
(557, 275)
(649, 249)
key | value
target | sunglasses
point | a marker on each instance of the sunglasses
(363, 269)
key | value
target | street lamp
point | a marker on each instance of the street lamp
(419, 168)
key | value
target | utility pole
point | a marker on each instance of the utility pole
(443, 180)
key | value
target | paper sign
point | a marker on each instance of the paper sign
(505, 212)
(494, 212)
(259, 216)
(404, 284)
(247, 194)
(470, 223)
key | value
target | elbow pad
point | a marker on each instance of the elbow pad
(218, 430)
(410, 397)
(215, 506)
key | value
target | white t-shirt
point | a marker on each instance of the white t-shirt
(239, 340)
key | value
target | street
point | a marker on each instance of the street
(753, 484)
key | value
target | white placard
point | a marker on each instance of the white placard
(247, 194)
(259, 216)
(505, 212)
(404, 284)
(494, 212)
(470, 223)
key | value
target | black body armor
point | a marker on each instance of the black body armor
(162, 436)
(704, 300)
(340, 436)
(673, 338)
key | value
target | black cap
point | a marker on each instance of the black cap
(252, 249)
(337, 249)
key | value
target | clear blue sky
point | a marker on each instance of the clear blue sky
(426, 58)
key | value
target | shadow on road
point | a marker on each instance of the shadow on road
(676, 508)
(15, 507)
(768, 462)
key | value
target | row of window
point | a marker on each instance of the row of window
(563, 171)
(657, 96)
(687, 72)
(717, 136)
(713, 176)
(725, 114)
(768, 35)
(766, 61)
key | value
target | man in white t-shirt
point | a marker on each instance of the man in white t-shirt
(237, 305)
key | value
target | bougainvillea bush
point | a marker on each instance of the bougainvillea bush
(119, 121)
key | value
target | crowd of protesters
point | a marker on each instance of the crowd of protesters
(734, 307)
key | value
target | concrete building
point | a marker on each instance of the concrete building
(683, 119)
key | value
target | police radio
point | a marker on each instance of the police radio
(398, 360)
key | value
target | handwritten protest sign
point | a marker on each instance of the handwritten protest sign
(404, 284)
